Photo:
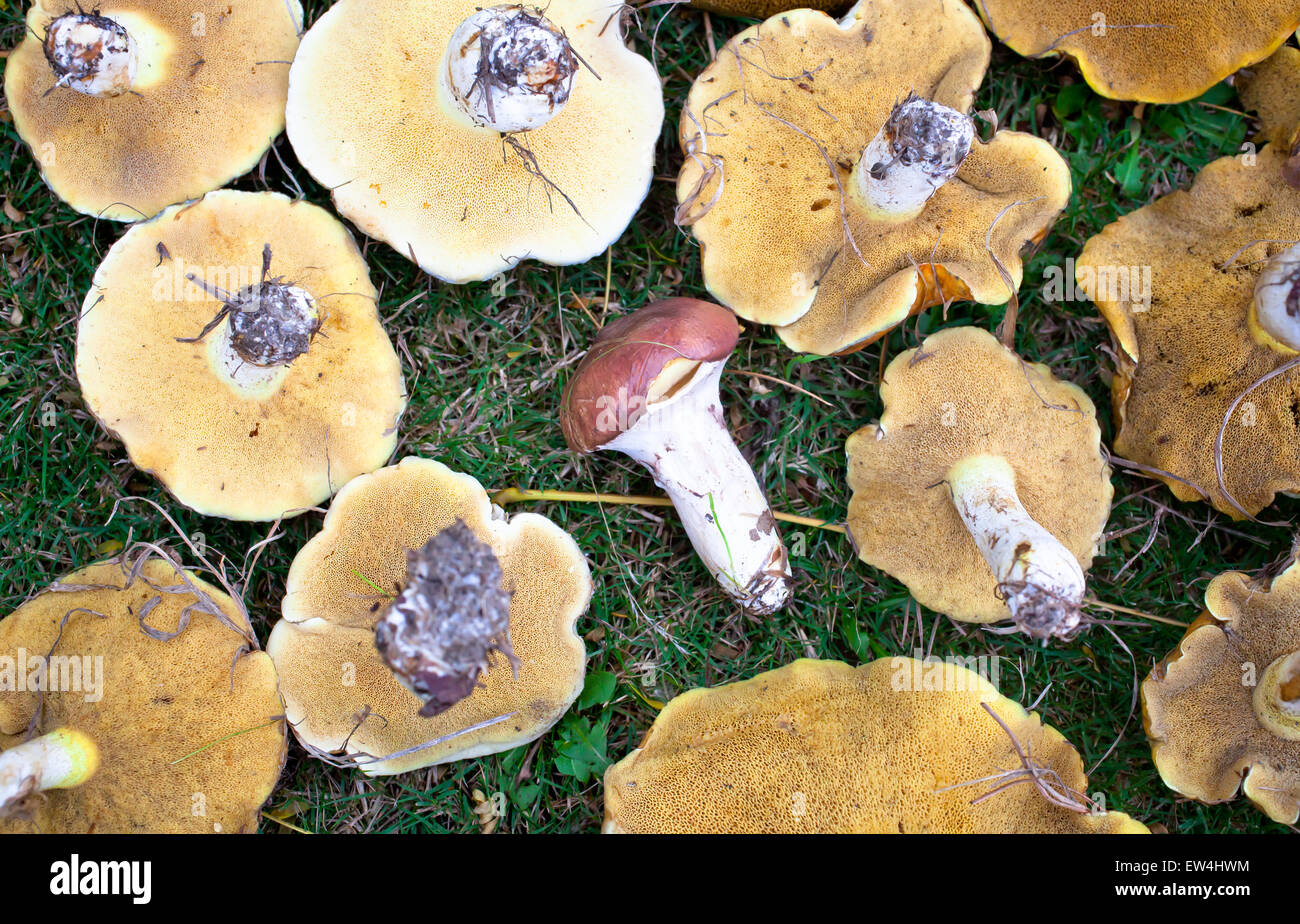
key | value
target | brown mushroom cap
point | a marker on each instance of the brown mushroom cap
(162, 702)
(1157, 51)
(252, 453)
(366, 118)
(962, 393)
(629, 354)
(821, 747)
(1184, 358)
(331, 607)
(209, 102)
(1206, 738)
(774, 243)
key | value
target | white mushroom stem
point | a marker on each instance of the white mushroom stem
(683, 441)
(920, 147)
(253, 351)
(509, 69)
(1040, 579)
(59, 760)
(91, 54)
(1275, 312)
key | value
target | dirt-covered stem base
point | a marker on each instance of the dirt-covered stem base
(1039, 578)
(920, 147)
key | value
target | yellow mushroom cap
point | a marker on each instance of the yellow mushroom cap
(1271, 89)
(1198, 704)
(959, 394)
(207, 102)
(1187, 352)
(190, 731)
(247, 452)
(784, 101)
(369, 118)
(1157, 51)
(821, 747)
(324, 647)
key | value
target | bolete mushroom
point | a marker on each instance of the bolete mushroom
(141, 104)
(1272, 89)
(393, 650)
(134, 699)
(1223, 710)
(1165, 52)
(472, 137)
(234, 346)
(897, 745)
(1195, 289)
(983, 488)
(836, 184)
(648, 388)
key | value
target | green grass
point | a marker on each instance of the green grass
(489, 364)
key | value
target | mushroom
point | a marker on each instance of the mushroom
(1166, 52)
(1191, 286)
(1223, 710)
(897, 745)
(134, 699)
(234, 346)
(648, 388)
(393, 651)
(141, 104)
(1272, 89)
(984, 487)
(504, 133)
(836, 184)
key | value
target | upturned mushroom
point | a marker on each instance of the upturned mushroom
(141, 104)
(504, 133)
(648, 387)
(1164, 52)
(895, 746)
(1272, 90)
(421, 626)
(836, 183)
(1195, 288)
(234, 346)
(984, 487)
(134, 699)
(1222, 711)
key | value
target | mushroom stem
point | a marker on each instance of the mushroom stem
(91, 54)
(509, 68)
(62, 759)
(919, 148)
(1041, 580)
(684, 443)
(1275, 309)
(269, 325)
(1277, 697)
(442, 630)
